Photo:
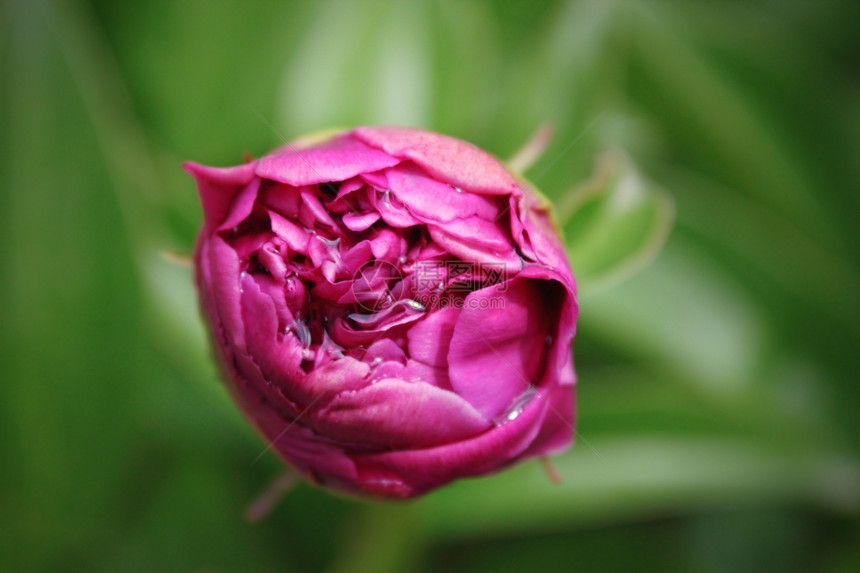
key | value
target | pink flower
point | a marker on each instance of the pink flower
(392, 308)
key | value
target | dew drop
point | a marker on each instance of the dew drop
(330, 243)
(301, 331)
(365, 319)
(386, 198)
(516, 408)
(415, 305)
(334, 350)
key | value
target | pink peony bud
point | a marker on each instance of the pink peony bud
(392, 308)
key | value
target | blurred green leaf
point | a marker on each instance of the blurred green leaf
(359, 63)
(718, 122)
(73, 352)
(685, 314)
(615, 224)
(627, 478)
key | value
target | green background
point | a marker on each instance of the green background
(718, 387)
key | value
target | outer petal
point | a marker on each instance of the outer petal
(218, 187)
(318, 459)
(535, 234)
(222, 265)
(242, 205)
(559, 362)
(430, 339)
(556, 431)
(412, 472)
(337, 160)
(278, 360)
(393, 413)
(451, 160)
(500, 343)
(431, 200)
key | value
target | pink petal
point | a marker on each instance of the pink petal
(271, 257)
(559, 295)
(295, 237)
(218, 187)
(496, 353)
(311, 203)
(393, 413)
(337, 160)
(538, 239)
(349, 187)
(476, 240)
(317, 459)
(389, 369)
(283, 199)
(416, 371)
(336, 377)
(279, 357)
(279, 360)
(377, 181)
(371, 327)
(408, 473)
(222, 280)
(392, 210)
(242, 206)
(429, 339)
(356, 257)
(384, 350)
(432, 200)
(359, 222)
(445, 158)
(387, 245)
(556, 431)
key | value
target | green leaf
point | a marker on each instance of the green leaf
(624, 478)
(73, 357)
(614, 224)
(359, 63)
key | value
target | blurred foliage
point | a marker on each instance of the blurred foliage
(718, 393)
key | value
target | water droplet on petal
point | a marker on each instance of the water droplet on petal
(415, 305)
(365, 319)
(516, 408)
(301, 331)
(386, 197)
(334, 350)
